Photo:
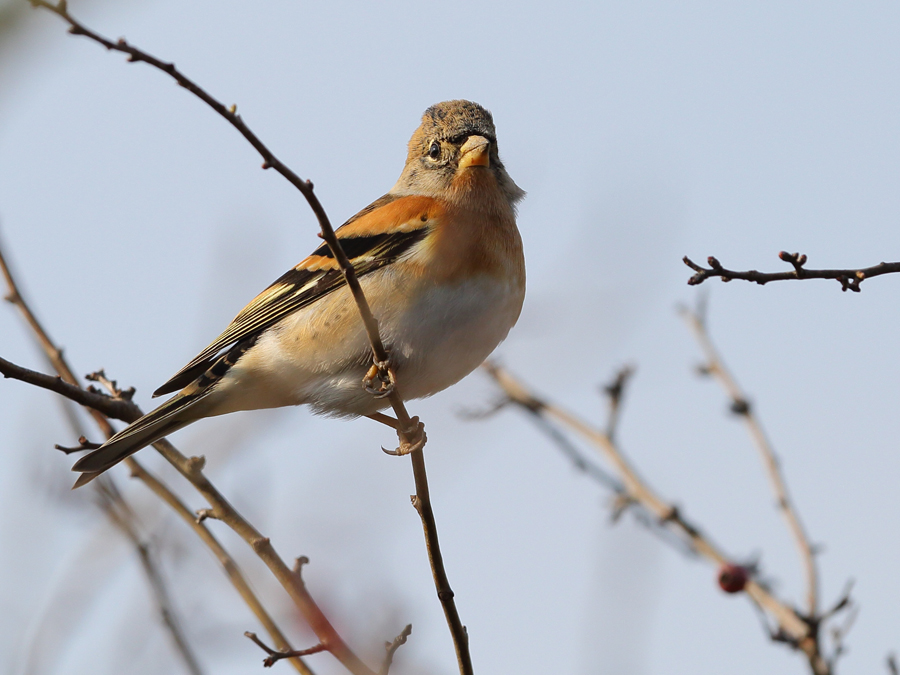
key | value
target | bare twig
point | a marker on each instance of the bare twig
(891, 662)
(125, 519)
(391, 648)
(83, 444)
(793, 628)
(740, 406)
(274, 656)
(191, 468)
(850, 279)
(111, 499)
(113, 406)
(621, 502)
(410, 430)
(615, 391)
(838, 633)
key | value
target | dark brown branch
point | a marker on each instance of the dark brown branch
(410, 430)
(83, 444)
(110, 407)
(850, 279)
(274, 656)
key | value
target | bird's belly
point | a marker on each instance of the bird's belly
(450, 332)
(436, 336)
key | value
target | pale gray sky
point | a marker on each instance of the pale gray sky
(140, 223)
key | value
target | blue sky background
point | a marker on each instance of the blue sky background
(140, 223)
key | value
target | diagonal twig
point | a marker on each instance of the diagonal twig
(793, 628)
(111, 499)
(114, 406)
(220, 509)
(410, 430)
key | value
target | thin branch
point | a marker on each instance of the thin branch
(391, 648)
(410, 431)
(125, 519)
(792, 627)
(715, 366)
(232, 571)
(615, 392)
(111, 499)
(274, 656)
(111, 406)
(850, 279)
(220, 509)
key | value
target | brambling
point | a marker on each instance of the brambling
(440, 260)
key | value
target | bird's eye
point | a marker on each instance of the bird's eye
(434, 151)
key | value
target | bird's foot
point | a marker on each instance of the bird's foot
(379, 380)
(411, 439)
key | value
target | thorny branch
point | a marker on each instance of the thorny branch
(409, 429)
(101, 407)
(850, 279)
(796, 629)
(715, 366)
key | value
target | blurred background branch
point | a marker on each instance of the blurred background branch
(119, 510)
(801, 631)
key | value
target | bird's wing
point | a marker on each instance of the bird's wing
(375, 237)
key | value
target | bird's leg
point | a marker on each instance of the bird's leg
(379, 381)
(387, 420)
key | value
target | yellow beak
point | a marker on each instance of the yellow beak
(476, 151)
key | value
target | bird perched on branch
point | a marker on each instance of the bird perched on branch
(440, 260)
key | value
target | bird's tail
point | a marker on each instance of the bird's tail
(167, 418)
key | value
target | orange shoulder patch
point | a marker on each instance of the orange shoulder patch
(403, 214)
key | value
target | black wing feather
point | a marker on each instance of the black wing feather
(296, 289)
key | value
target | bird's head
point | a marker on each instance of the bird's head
(453, 153)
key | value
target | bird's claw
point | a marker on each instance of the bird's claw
(379, 380)
(411, 439)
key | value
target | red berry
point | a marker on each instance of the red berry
(732, 578)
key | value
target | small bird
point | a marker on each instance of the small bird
(440, 260)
